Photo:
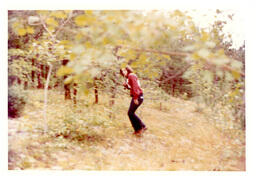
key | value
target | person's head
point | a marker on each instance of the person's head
(129, 69)
(123, 72)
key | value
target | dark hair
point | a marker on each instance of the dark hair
(129, 69)
(122, 72)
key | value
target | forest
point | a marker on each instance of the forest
(67, 106)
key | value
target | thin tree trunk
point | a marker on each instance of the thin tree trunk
(39, 84)
(112, 101)
(67, 90)
(67, 86)
(25, 85)
(46, 97)
(42, 75)
(33, 72)
(74, 92)
(96, 93)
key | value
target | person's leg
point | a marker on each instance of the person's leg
(135, 120)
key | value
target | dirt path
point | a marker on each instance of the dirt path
(176, 139)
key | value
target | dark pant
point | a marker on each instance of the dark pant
(137, 124)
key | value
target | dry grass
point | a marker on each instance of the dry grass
(178, 138)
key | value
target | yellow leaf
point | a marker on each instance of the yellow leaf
(63, 42)
(177, 13)
(89, 12)
(131, 54)
(221, 52)
(67, 11)
(167, 56)
(51, 28)
(72, 56)
(135, 64)
(172, 27)
(68, 80)
(51, 21)
(158, 57)
(64, 70)
(78, 36)
(86, 92)
(205, 36)
(43, 12)
(22, 31)
(143, 57)
(110, 18)
(121, 42)
(123, 65)
(106, 41)
(59, 14)
(81, 20)
(88, 44)
(234, 93)
(30, 30)
(195, 56)
(236, 74)
(16, 24)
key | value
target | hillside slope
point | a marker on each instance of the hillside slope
(178, 137)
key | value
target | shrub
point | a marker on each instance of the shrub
(16, 101)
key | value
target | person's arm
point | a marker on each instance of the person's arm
(126, 85)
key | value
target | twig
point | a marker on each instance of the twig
(45, 27)
(64, 23)
(157, 51)
(224, 67)
(176, 74)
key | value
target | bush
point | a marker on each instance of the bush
(16, 101)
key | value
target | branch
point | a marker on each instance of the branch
(224, 67)
(157, 51)
(176, 74)
(64, 23)
(45, 27)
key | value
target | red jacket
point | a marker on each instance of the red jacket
(134, 83)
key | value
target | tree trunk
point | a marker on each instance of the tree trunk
(57, 82)
(25, 85)
(45, 98)
(74, 92)
(67, 90)
(96, 93)
(33, 72)
(39, 74)
(66, 87)
(18, 80)
(42, 75)
(112, 101)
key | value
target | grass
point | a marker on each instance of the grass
(99, 137)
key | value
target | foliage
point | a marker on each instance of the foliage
(17, 99)
(98, 43)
